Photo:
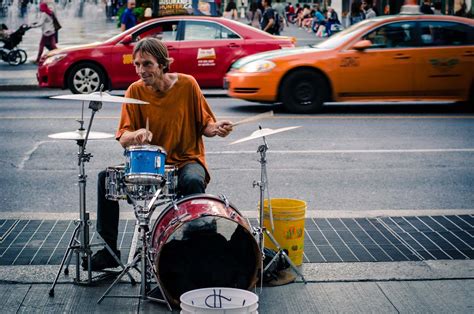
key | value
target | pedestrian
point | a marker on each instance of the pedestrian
(368, 9)
(357, 12)
(179, 116)
(254, 15)
(268, 17)
(230, 11)
(128, 19)
(425, 8)
(48, 38)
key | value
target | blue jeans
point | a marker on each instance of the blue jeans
(191, 180)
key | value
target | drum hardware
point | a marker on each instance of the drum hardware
(80, 240)
(143, 214)
(263, 185)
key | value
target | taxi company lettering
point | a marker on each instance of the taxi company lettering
(206, 57)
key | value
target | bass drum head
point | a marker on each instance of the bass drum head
(205, 244)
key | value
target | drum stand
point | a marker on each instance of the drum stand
(143, 215)
(80, 240)
(261, 229)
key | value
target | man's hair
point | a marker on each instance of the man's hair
(155, 48)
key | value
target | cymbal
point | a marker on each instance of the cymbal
(80, 135)
(264, 132)
(100, 96)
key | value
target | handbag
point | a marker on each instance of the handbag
(56, 24)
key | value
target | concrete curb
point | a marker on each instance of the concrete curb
(313, 272)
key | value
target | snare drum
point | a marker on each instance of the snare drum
(114, 183)
(116, 187)
(145, 164)
(203, 241)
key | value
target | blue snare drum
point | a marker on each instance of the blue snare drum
(145, 164)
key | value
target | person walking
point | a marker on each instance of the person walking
(254, 15)
(268, 18)
(128, 19)
(48, 33)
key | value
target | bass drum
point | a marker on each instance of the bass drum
(201, 241)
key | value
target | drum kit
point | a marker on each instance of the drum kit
(196, 241)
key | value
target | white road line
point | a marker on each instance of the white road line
(347, 151)
(29, 153)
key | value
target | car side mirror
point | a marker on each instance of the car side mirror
(362, 45)
(127, 40)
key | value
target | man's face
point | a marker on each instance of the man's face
(148, 69)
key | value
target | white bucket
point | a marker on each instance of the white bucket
(219, 300)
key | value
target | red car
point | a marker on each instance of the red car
(204, 47)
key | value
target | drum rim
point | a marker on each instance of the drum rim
(151, 148)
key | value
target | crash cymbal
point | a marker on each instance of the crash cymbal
(80, 135)
(100, 96)
(264, 132)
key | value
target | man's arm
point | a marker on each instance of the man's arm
(220, 128)
(137, 137)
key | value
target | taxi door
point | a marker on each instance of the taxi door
(122, 72)
(383, 71)
(208, 49)
(445, 60)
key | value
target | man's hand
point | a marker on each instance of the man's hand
(138, 137)
(220, 128)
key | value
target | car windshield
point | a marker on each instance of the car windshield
(339, 38)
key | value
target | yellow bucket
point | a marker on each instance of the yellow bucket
(288, 220)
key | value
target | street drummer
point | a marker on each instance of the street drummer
(179, 116)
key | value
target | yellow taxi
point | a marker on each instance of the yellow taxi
(390, 58)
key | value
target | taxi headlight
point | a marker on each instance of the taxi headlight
(54, 59)
(258, 66)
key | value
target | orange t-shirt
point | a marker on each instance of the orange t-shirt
(177, 119)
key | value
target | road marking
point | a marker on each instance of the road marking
(348, 151)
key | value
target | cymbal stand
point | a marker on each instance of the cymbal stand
(261, 229)
(80, 240)
(143, 214)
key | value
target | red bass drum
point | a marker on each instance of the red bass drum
(203, 241)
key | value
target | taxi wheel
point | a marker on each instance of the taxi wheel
(86, 78)
(304, 91)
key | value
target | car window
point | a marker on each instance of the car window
(445, 34)
(166, 31)
(198, 30)
(394, 35)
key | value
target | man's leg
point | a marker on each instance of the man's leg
(107, 227)
(191, 179)
(107, 214)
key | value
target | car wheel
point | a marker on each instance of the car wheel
(85, 78)
(304, 91)
(14, 57)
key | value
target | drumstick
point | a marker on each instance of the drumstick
(147, 128)
(260, 116)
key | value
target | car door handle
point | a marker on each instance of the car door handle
(401, 56)
(233, 45)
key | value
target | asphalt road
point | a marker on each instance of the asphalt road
(350, 158)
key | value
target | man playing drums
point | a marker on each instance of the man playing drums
(179, 116)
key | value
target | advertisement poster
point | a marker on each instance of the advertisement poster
(187, 7)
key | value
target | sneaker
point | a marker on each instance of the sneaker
(101, 260)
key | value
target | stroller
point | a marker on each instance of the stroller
(9, 52)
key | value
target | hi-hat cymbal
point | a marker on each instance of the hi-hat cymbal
(100, 96)
(264, 132)
(80, 135)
